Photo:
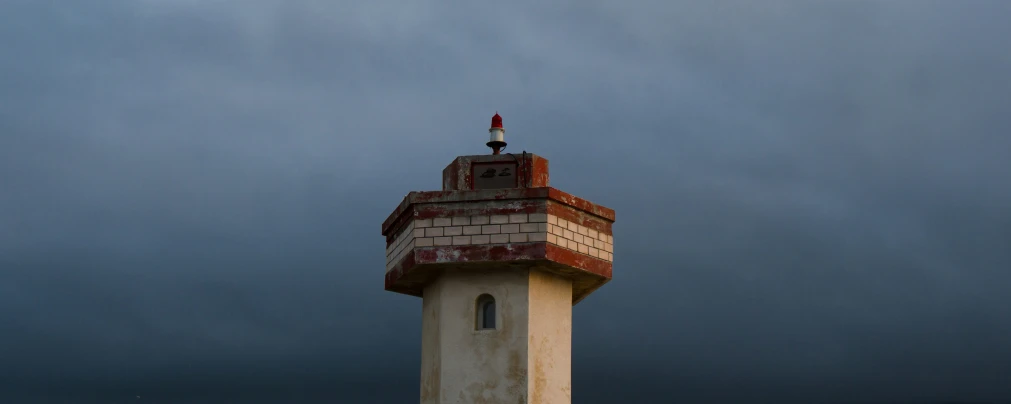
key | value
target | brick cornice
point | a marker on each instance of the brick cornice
(397, 218)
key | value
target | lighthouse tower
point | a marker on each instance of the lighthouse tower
(499, 258)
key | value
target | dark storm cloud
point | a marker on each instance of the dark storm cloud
(812, 197)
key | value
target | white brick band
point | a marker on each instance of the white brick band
(500, 229)
(578, 238)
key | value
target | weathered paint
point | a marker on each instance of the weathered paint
(452, 209)
(472, 253)
(464, 365)
(431, 349)
(578, 216)
(581, 204)
(573, 259)
(405, 277)
(540, 172)
(414, 201)
(526, 359)
(503, 230)
(451, 176)
(489, 208)
(549, 339)
(423, 266)
(533, 172)
(492, 208)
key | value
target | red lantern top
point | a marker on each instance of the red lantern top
(496, 121)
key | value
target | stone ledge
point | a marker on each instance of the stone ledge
(422, 265)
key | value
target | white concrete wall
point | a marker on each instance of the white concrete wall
(549, 351)
(431, 360)
(533, 317)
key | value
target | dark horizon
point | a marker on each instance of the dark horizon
(813, 199)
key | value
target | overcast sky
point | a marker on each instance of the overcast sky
(813, 197)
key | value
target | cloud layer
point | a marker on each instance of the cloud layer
(813, 197)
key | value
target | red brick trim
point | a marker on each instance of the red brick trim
(580, 203)
(428, 211)
(576, 260)
(398, 271)
(579, 217)
(488, 252)
(421, 265)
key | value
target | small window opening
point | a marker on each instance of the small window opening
(485, 312)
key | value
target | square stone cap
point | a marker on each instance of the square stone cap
(531, 171)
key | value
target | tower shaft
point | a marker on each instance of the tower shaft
(526, 359)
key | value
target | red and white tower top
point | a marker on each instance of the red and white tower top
(497, 132)
(499, 258)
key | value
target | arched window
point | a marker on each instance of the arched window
(485, 312)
